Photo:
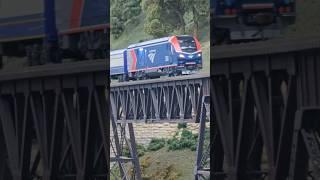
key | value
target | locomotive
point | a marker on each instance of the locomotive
(245, 20)
(168, 56)
(50, 30)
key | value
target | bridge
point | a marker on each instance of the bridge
(264, 100)
(266, 103)
(179, 99)
(54, 122)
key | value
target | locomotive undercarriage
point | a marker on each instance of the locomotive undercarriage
(72, 47)
(248, 27)
(168, 72)
(232, 32)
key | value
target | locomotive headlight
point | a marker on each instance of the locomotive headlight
(181, 56)
(199, 55)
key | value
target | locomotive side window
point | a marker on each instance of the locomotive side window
(187, 44)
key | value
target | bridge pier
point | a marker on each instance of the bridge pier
(202, 165)
(120, 141)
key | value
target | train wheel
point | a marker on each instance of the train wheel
(34, 55)
(145, 77)
(123, 78)
(120, 78)
(173, 74)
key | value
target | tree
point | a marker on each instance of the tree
(200, 12)
(165, 16)
(123, 12)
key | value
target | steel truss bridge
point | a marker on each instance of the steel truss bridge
(266, 108)
(265, 105)
(54, 122)
(265, 102)
(180, 99)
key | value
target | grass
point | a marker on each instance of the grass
(164, 164)
(307, 19)
(133, 34)
(206, 56)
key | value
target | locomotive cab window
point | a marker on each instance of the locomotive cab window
(187, 44)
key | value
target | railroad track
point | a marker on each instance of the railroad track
(159, 80)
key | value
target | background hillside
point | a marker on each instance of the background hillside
(307, 19)
(139, 22)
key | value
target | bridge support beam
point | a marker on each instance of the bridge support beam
(122, 140)
(202, 165)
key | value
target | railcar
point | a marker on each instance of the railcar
(81, 28)
(169, 56)
(118, 64)
(240, 20)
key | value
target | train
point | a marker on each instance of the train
(247, 20)
(168, 56)
(50, 30)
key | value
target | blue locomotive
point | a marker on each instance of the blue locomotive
(238, 20)
(78, 27)
(172, 56)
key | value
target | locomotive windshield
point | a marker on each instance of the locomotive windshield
(187, 44)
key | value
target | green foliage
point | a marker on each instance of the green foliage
(123, 12)
(156, 144)
(182, 125)
(165, 16)
(199, 10)
(117, 27)
(162, 16)
(154, 22)
(186, 140)
(140, 149)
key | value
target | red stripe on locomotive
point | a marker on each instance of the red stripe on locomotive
(77, 7)
(197, 44)
(174, 41)
(134, 57)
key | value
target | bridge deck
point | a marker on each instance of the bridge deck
(274, 46)
(50, 70)
(174, 99)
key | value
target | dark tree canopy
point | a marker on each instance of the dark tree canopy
(162, 17)
(122, 13)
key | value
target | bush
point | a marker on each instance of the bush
(182, 125)
(156, 144)
(140, 149)
(187, 140)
